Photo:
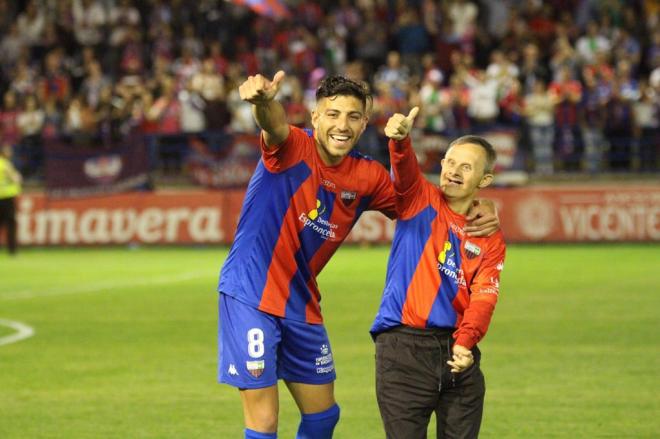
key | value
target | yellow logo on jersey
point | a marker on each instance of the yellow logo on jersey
(442, 257)
(314, 213)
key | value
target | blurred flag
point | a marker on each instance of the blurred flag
(271, 8)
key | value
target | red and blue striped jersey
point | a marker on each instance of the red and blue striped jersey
(296, 213)
(437, 276)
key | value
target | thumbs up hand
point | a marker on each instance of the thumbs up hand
(399, 126)
(259, 89)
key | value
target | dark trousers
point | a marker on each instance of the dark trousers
(413, 380)
(8, 221)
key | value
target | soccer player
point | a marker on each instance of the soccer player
(307, 192)
(440, 292)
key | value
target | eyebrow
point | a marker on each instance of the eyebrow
(350, 113)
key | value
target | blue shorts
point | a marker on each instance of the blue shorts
(256, 349)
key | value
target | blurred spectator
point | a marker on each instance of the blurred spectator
(166, 113)
(30, 122)
(563, 57)
(7, 15)
(185, 67)
(89, 17)
(432, 115)
(411, 39)
(93, 84)
(629, 85)
(512, 102)
(79, 122)
(53, 120)
(647, 119)
(394, 74)
(531, 68)
(25, 80)
(371, 41)
(592, 120)
(123, 17)
(619, 123)
(457, 98)
(211, 87)
(220, 61)
(463, 16)
(539, 111)
(587, 46)
(333, 38)
(294, 105)
(30, 24)
(501, 69)
(568, 93)
(192, 110)
(483, 108)
(54, 81)
(627, 48)
(11, 47)
(191, 43)
(9, 131)
(241, 111)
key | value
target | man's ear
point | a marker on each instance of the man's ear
(315, 119)
(486, 180)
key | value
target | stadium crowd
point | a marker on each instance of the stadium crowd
(578, 79)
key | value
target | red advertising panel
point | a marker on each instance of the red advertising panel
(534, 214)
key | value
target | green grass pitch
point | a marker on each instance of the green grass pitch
(125, 344)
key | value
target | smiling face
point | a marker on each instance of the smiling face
(464, 172)
(338, 123)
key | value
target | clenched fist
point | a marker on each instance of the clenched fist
(399, 126)
(259, 90)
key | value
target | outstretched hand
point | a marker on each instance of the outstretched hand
(259, 90)
(399, 126)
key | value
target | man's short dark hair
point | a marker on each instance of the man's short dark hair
(491, 155)
(338, 85)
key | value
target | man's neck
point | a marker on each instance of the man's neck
(460, 206)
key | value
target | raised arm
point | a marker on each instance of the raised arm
(405, 168)
(268, 113)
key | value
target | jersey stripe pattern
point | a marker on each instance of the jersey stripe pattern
(437, 276)
(296, 213)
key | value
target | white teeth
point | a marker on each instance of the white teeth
(340, 138)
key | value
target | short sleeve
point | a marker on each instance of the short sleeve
(291, 151)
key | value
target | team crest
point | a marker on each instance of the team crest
(347, 197)
(472, 250)
(256, 368)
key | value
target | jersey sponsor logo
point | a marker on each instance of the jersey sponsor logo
(232, 370)
(447, 265)
(324, 363)
(472, 250)
(327, 183)
(314, 220)
(347, 197)
(493, 288)
(456, 229)
(256, 368)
